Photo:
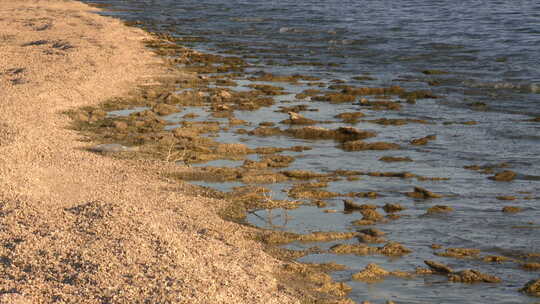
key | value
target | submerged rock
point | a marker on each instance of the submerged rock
(373, 232)
(391, 208)
(371, 215)
(165, 109)
(423, 194)
(439, 209)
(349, 205)
(494, 259)
(350, 117)
(358, 145)
(511, 209)
(532, 288)
(504, 176)
(459, 253)
(370, 238)
(303, 174)
(390, 159)
(340, 134)
(424, 140)
(358, 249)
(438, 267)
(531, 266)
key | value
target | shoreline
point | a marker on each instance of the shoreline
(80, 227)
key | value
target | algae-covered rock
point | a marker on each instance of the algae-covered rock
(371, 215)
(262, 177)
(303, 174)
(165, 109)
(473, 276)
(504, 176)
(391, 159)
(266, 131)
(393, 249)
(312, 194)
(335, 98)
(372, 273)
(315, 278)
(326, 236)
(363, 222)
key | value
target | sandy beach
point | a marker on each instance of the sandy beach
(78, 227)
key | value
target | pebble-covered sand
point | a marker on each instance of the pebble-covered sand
(78, 227)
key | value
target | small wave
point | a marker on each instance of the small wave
(249, 19)
(291, 30)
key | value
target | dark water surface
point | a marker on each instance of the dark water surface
(490, 53)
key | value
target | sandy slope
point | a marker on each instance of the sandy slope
(78, 227)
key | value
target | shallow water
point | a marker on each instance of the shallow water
(489, 51)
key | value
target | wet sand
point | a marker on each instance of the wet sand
(78, 227)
